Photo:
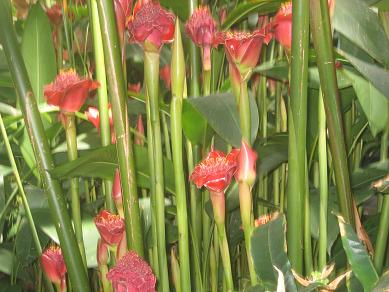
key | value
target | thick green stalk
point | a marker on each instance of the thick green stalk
(118, 93)
(297, 115)
(246, 213)
(151, 66)
(30, 220)
(45, 164)
(194, 89)
(178, 77)
(244, 112)
(322, 40)
(323, 185)
(71, 142)
(105, 130)
(383, 229)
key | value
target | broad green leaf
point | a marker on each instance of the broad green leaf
(38, 51)
(7, 286)
(221, 113)
(102, 163)
(244, 9)
(383, 283)
(268, 250)
(374, 104)
(180, 8)
(358, 23)
(271, 153)
(193, 123)
(6, 261)
(357, 256)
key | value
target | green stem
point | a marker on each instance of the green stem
(246, 213)
(151, 65)
(194, 89)
(383, 228)
(168, 149)
(178, 79)
(323, 185)
(297, 119)
(124, 147)
(68, 41)
(105, 130)
(103, 277)
(42, 151)
(322, 40)
(27, 209)
(244, 112)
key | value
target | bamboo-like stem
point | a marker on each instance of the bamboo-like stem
(383, 228)
(57, 203)
(323, 185)
(297, 120)
(30, 220)
(105, 130)
(71, 141)
(244, 112)
(151, 65)
(178, 77)
(124, 147)
(322, 40)
(246, 213)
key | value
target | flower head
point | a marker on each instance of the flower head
(110, 227)
(69, 91)
(151, 24)
(132, 273)
(201, 28)
(165, 75)
(54, 265)
(283, 25)
(246, 164)
(215, 171)
(54, 13)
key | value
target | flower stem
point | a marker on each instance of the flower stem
(105, 131)
(42, 151)
(297, 191)
(218, 205)
(246, 213)
(103, 277)
(244, 112)
(71, 142)
(151, 65)
(124, 147)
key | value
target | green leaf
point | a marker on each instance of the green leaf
(221, 112)
(244, 9)
(102, 163)
(268, 250)
(38, 51)
(357, 256)
(180, 8)
(383, 283)
(6, 261)
(358, 23)
(193, 123)
(374, 104)
(271, 153)
(7, 286)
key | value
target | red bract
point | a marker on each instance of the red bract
(262, 220)
(54, 13)
(132, 274)
(283, 25)
(54, 265)
(123, 11)
(110, 227)
(116, 187)
(93, 115)
(215, 171)
(201, 28)
(243, 50)
(69, 91)
(246, 164)
(151, 23)
(141, 130)
(135, 87)
(164, 73)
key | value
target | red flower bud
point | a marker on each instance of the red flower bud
(54, 265)
(102, 252)
(215, 171)
(135, 87)
(151, 23)
(141, 130)
(93, 115)
(164, 73)
(54, 13)
(69, 91)
(132, 273)
(246, 165)
(201, 28)
(110, 227)
(117, 193)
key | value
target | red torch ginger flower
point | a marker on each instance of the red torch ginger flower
(54, 13)
(54, 265)
(69, 91)
(246, 164)
(133, 274)
(164, 73)
(110, 227)
(151, 24)
(215, 171)
(201, 28)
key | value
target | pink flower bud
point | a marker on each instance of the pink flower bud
(141, 130)
(246, 165)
